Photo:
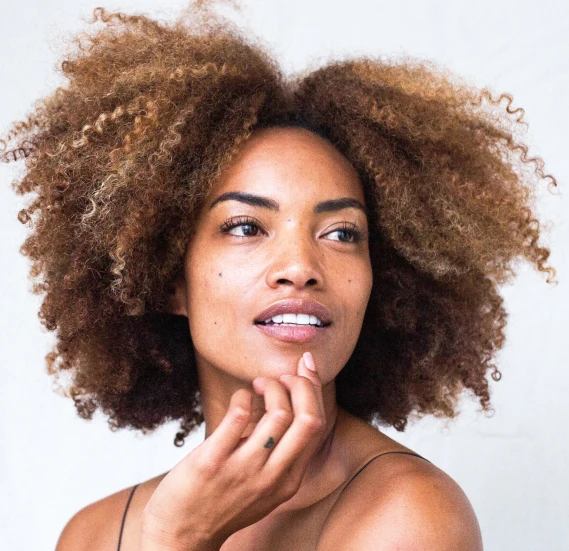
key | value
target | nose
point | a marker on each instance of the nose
(294, 261)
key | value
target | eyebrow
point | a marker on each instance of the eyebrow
(332, 205)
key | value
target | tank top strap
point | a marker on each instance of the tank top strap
(124, 515)
(384, 453)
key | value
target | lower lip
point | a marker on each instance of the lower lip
(292, 333)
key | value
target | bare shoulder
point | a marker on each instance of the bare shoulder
(401, 502)
(96, 527)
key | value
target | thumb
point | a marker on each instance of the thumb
(311, 374)
(303, 370)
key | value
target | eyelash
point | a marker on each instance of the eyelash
(231, 223)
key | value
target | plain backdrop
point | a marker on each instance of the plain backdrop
(512, 466)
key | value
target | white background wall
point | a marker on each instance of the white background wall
(512, 466)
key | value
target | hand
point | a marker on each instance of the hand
(225, 484)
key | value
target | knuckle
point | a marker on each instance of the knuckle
(206, 465)
(302, 381)
(282, 416)
(240, 414)
(241, 477)
(267, 488)
(311, 422)
(273, 477)
(289, 488)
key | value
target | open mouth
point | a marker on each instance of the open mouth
(292, 332)
(294, 320)
(320, 324)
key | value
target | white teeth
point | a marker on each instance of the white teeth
(296, 319)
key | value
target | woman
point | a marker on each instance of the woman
(291, 261)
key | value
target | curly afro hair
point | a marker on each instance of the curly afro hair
(121, 158)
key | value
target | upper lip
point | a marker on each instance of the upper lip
(296, 306)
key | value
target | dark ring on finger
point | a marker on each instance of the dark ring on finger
(270, 442)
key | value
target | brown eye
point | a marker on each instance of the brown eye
(354, 235)
(250, 228)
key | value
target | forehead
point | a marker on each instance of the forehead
(290, 162)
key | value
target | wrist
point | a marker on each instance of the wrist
(149, 543)
(155, 538)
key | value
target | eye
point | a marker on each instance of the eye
(249, 224)
(355, 235)
(251, 228)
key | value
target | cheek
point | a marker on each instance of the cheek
(358, 291)
(366, 290)
(219, 293)
(217, 286)
(359, 283)
(206, 292)
(208, 320)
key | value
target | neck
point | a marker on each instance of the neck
(329, 438)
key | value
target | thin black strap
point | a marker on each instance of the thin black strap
(384, 453)
(124, 515)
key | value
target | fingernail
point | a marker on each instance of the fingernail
(309, 361)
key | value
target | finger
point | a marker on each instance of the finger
(312, 375)
(270, 429)
(299, 441)
(225, 437)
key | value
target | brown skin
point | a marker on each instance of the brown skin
(233, 495)
(119, 160)
(405, 499)
(222, 487)
(229, 278)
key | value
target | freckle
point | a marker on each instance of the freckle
(220, 274)
(349, 280)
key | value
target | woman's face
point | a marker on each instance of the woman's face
(289, 240)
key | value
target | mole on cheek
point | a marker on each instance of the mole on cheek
(220, 274)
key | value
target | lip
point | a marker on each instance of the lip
(296, 306)
(290, 333)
